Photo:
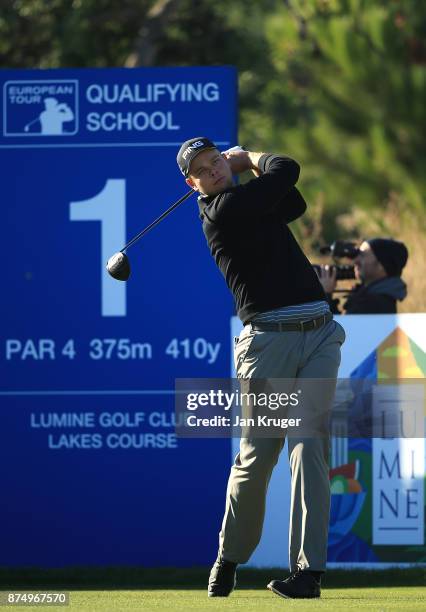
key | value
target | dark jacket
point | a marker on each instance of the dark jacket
(246, 230)
(379, 297)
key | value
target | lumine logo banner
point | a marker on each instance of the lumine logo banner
(40, 108)
(377, 484)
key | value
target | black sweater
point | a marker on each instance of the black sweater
(246, 230)
(379, 297)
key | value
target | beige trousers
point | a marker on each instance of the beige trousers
(313, 354)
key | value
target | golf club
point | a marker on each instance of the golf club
(118, 265)
(27, 127)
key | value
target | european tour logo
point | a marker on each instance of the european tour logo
(40, 108)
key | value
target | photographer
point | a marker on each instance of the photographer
(378, 266)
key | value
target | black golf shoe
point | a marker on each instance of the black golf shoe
(299, 585)
(222, 579)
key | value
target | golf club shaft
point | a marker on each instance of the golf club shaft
(160, 218)
(31, 122)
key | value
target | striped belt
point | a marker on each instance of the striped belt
(296, 326)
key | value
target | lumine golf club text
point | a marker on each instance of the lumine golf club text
(48, 420)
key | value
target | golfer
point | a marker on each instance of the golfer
(288, 333)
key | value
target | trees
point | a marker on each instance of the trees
(102, 33)
(68, 33)
(339, 84)
(351, 99)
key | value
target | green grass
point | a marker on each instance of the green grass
(137, 578)
(136, 588)
(377, 599)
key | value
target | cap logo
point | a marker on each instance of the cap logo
(192, 147)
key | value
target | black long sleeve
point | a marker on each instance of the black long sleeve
(260, 196)
(246, 230)
(292, 205)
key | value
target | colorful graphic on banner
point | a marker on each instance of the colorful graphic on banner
(377, 502)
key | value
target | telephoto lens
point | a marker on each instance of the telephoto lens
(344, 272)
(340, 248)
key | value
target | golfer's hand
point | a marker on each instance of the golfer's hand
(238, 159)
(327, 277)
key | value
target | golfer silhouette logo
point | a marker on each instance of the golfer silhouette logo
(52, 118)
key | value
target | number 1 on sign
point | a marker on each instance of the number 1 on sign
(108, 207)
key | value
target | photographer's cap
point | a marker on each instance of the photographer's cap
(189, 151)
(392, 254)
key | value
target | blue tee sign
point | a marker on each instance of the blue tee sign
(93, 472)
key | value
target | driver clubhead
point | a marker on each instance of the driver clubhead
(118, 266)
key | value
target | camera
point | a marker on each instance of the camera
(339, 249)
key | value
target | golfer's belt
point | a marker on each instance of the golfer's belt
(296, 326)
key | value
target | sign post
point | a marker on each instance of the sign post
(94, 471)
